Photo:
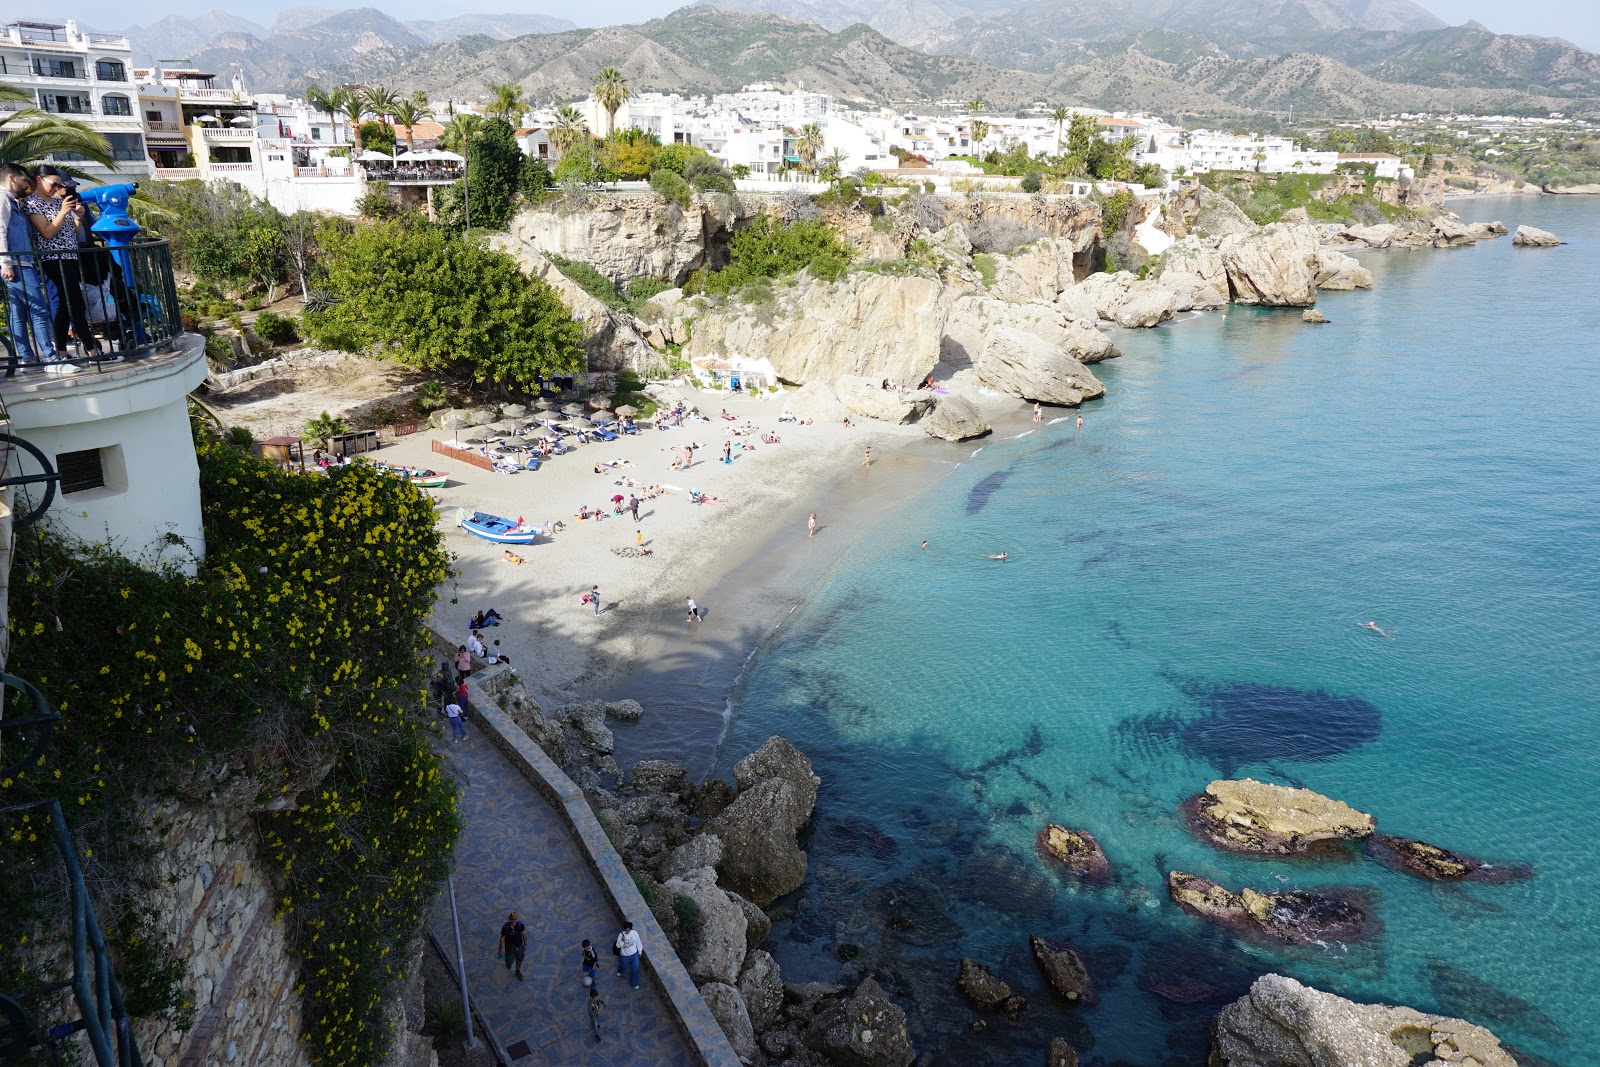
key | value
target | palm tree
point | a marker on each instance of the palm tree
(508, 102)
(29, 135)
(1060, 114)
(461, 129)
(975, 104)
(327, 101)
(324, 428)
(353, 102)
(611, 92)
(381, 99)
(569, 129)
(833, 165)
(980, 131)
(408, 113)
(810, 144)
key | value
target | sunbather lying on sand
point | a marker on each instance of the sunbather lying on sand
(512, 557)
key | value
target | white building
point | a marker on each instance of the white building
(84, 76)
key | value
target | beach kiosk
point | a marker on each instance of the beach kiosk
(286, 452)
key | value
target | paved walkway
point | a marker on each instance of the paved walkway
(517, 854)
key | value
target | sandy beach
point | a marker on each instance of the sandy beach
(560, 648)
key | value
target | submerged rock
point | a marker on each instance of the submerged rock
(1063, 968)
(1061, 1054)
(981, 987)
(1533, 237)
(777, 792)
(1251, 816)
(1281, 1023)
(955, 419)
(1437, 864)
(1312, 315)
(1296, 917)
(1077, 851)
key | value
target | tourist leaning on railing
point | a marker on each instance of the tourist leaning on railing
(55, 211)
(27, 306)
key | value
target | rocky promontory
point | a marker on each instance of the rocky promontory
(1533, 237)
(1281, 1023)
(1251, 816)
(1437, 864)
(1296, 917)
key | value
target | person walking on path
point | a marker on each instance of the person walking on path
(628, 948)
(596, 1006)
(694, 612)
(463, 663)
(591, 962)
(458, 732)
(513, 943)
(811, 525)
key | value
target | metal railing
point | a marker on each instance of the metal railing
(126, 304)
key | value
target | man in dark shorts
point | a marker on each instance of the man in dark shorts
(513, 943)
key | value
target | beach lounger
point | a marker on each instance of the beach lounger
(603, 434)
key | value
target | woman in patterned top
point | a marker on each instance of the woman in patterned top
(55, 211)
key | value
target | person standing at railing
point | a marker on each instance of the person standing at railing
(55, 211)
(27, 307)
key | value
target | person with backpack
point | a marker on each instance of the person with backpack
(513, 943)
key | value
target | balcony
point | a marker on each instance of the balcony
(177, 174)
(163, 126)
(61, 73)
(232, 135)
(211, 96)
(230, 168)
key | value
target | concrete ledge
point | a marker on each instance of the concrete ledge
(695, 1021)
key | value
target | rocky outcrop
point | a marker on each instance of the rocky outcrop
(1251, 816)
(816, 402)
(1061, 1054)
(1297, 918)
(988, 993)
(728, 1006)
(865, 325)
(868, 398)
(1275, 267)
(1039, 271)
(1281, 1023)
(1193, 269)
(777, 792)
(955, 418)
(1533, 237)
(713, 947)
(970, 316)
(866, 1029)
(1130, 302)
(761, 986)
(1484, 231)
(1335, 270)
(1209, 214)
(1077, 851)
(1313, 315)
(1436, 864)
(1062, 969)
(626, 237)
(1448, 231)
(1380, 235)
(1022, 365)
(1075, 224)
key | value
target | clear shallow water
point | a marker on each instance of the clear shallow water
(1182, 604)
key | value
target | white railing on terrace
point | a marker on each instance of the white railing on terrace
(177, 174)
(162, 126)
(225, 133)
(202, 95)
(230, 168)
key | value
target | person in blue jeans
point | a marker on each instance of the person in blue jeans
(27, 306)
(629, 946)
(458, 730)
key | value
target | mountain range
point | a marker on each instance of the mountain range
(1177, 57)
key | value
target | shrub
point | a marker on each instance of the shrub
(638, 291)
(707, 175)
(241, 438)
(254, 302)
(997, 234)
(275, 328)
(1114, 210)
(589, 280)
(376, 203)
(1032, 182)
(687, 911)
(986, 267)
(766, 250)
(324, 428)
(672, 187)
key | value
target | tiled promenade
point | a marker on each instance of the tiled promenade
(517, 854)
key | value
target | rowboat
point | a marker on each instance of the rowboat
(419, 476)
(500, 530)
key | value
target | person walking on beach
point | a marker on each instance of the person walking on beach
(1038, 412)
(513, 943)
(727, 452)
(1080, 422)
(596, 1006)
(594, 598)
(868, 463)
(633, 506)
(811, 525)
(694, 612)
(591, 962)
(458, 732)
(628, 947)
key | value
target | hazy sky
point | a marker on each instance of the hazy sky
(1575, 20)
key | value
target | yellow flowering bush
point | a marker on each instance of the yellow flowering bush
(287, 674)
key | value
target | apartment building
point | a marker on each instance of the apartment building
(83, 76)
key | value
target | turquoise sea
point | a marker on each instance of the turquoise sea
(1182, 601)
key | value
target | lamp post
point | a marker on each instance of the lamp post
(461, 965)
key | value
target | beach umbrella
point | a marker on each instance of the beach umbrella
(372, 155)
(544, 404)
(501, 427)
(242, 120)
(573, 409)
(600, 402)
(513, 411)
(473, 438)
(627, 410)
(445, 157)
(411, 157)
(604, 418)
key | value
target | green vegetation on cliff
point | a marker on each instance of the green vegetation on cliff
(1324, 197)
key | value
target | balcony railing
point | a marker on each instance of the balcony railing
(177, 174)
(198, 95)
(162, 126)
(40, 70)
(230, 168)
(133, 309)
(226, 133)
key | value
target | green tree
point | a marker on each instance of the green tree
(446, 306)
(326, 101)
(29, 136)
(508, 103)
(569, 129)
(494, 173)
(324, 428)
(810, 145)
(979, 132)
(460, 130)
(768, 249)
(833, 166)
(407, 113)
(377, 136)
(381, 101)
(1060, 115)
(352, 100)
(611, 92)
(631, 154)
(534, 179)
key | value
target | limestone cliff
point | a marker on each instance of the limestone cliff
(625, 236)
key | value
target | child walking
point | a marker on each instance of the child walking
(591, 962)
(596, 1006)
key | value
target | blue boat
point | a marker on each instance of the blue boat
(499, 530)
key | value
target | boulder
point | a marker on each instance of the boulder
(1251, 816)
(1076, 305)
(955, 418)
(867, 1029)
(1062, 968)
(1484, 231)
(761, 859)
(1313, 315)
(1450, 232)
(1437, 864)
(1275, 267)
(1077, 851)
(625, 710)
(1335, 270)
(659, 776)
(1023, 365)
(623, 237)
(1532, 237)
(868, 398)
(713, 947)
(951, 241)
(1193, 269)
(972, 316)
(589, 729)
(1296, 216)
(1296, 917)
(1041, 271)
(757, 923)
(1130, 302)
(1380, 235)
(701, 850)
(983, 989)
(816, 402)
(1061, 1054)
(1281, 1023)
(731, 1013)
(761, 985)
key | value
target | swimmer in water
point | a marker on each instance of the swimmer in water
(998, 555)
(1375, 628)
(924, 546)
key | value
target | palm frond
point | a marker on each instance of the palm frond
(30, 136)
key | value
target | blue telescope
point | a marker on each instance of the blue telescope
(117, 228)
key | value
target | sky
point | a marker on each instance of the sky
(1576, 20)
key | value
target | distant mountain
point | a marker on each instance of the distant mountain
(499, 27)
(357, 45)
(175, 37)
